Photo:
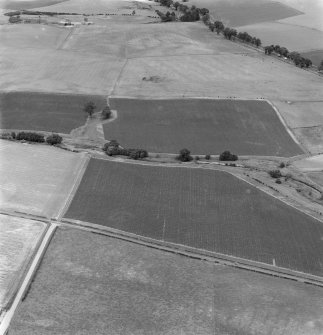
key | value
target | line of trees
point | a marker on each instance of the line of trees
(113, 148)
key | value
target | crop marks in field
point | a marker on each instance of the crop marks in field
(204, 209)
(201, 125)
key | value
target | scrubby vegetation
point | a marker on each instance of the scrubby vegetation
(184, 156)
(30, 137)
(113, 148)
(275, 174)
(54, 139)
(228, 156)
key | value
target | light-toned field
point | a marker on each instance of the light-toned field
(32, 36)
(314, 163)
(317, 177)
(92, 284)
(18, 238)
(57, 71)
(36, 179)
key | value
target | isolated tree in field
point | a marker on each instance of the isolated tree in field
(184, 156)
(89, 108)
(228, 156)
(106, 113)
(320, 68)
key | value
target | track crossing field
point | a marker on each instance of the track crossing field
(45, 111)
(205, 126)
(204, 209)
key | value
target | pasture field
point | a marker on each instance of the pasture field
(57, 71)
(122, 288)
(246, 127)
(36, 179)
(32, 36)
(18, 240)
(45, 111)
(242, 12)
(204, 209)
(294, 38)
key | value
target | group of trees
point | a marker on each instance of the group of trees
(185, 156)
(294, 56)
(52, 139)
(90, 107)
(113, 148)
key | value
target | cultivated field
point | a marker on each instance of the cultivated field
(36, 179)
(314, 163)
(204, 209)
(45, 111)
(18, 240)
(27, 4)
(123, 288)
(244, 12)
(204, 126)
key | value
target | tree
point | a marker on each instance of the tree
(54, 139)
(228, 156)
(184, 156)
(106, 113)
(89, 108)
(320, 67)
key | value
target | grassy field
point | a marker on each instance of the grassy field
(36, 36)
(45, 111)
(317, 177)
(18, 239)
(204, 126)
(57, 71)
(203, 209)
(245, 12)
(36, 179)
(314, 163)
(294, 38)
(123, 288)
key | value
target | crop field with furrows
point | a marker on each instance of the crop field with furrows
(32, 36)
(39, 181)
(204, 209)
(294, 38)
(246, 127)
(57, 71)
(45, 111)
(123, 288)
(242, 12)
(18, 238)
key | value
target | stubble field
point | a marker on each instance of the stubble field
(45, 111)
(18, 240)
(36, 179)
(122, 288)
(204, 209)
(205, 126)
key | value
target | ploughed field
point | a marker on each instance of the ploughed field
(45, 111)
(204, 209)
(204, 126)
(104, 285)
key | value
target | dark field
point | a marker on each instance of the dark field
(92, 284)
(45, 111)
(12, 4)
(245, 12)
(203, 209)
(315, 56)
(203, 126)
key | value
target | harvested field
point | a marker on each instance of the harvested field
(204, 209)
(314, 163)
(311, 138)
(242, 12)
(294, 38)
(246, 127)
(57, 71)
(32, 36)
(18, 240)
(123, 288)
(36, 179)
(45, 111)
